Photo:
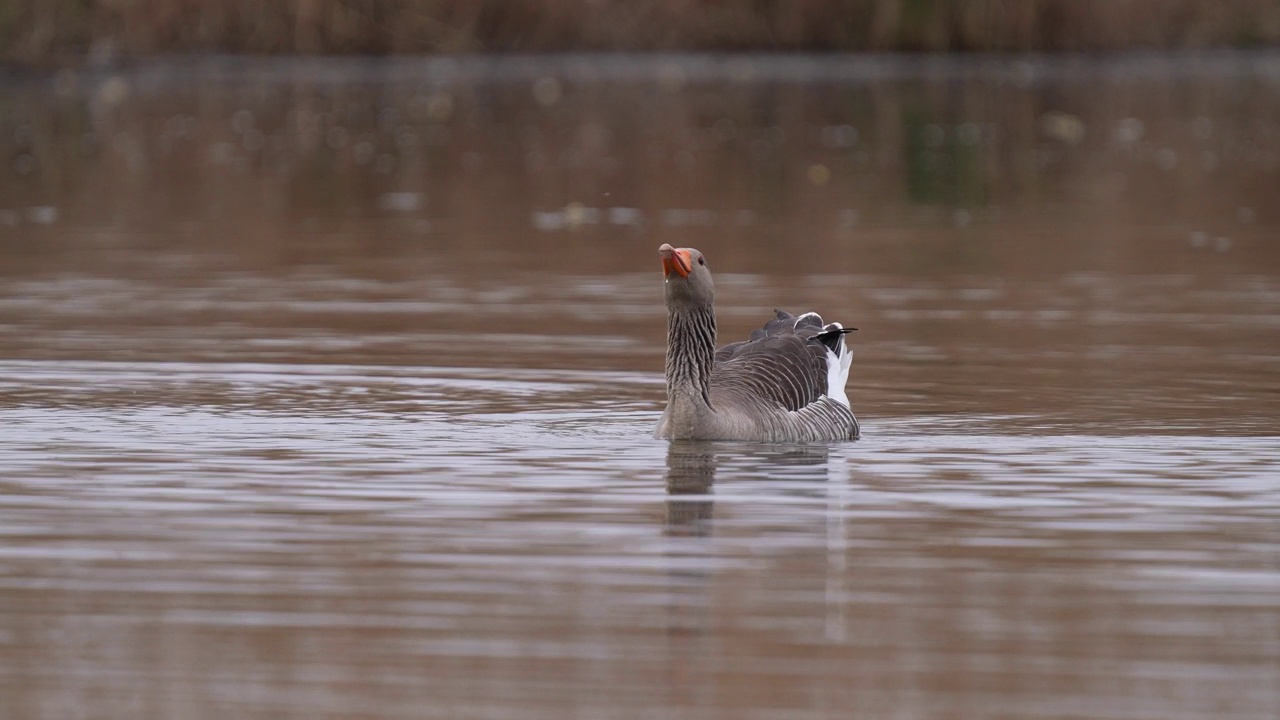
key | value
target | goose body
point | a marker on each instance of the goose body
(783, 384)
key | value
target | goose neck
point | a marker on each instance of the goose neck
(691, 342)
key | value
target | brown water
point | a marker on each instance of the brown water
(327, 390)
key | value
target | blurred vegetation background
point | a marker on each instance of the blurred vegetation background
(68, 31)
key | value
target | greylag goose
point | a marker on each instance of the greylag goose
(784, 384)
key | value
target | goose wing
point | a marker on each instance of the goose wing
(788, 361)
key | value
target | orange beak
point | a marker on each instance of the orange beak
(675, 260)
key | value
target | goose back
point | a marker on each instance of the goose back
(780, 381)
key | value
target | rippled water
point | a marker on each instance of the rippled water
(351, 417)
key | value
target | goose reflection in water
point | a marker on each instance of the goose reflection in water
(782, 472)
(691, 475)
(692, 465)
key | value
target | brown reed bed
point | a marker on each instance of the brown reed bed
(69, 31)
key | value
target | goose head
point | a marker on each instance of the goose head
(688, 279)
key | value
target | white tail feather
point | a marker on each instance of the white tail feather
(838, 373)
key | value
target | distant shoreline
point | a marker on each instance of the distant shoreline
(68, 33)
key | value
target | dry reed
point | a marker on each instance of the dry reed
(56, 31)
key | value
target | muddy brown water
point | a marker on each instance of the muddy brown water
(327, 387)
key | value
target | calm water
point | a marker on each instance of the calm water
(326, 390)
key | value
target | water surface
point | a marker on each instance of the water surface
(326, 390)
